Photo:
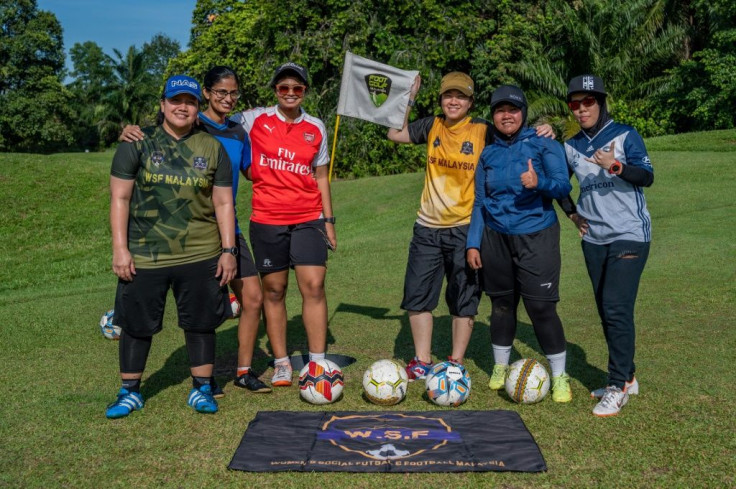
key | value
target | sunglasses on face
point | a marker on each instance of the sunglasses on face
(586, 102)
(297, 90)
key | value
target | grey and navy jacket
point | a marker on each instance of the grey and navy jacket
(614, 205)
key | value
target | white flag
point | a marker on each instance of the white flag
(374, 92)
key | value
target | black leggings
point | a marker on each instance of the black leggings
(133, 350)
(546, 322)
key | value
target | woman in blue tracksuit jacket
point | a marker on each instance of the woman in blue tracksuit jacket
(612, 165)
(514, 235)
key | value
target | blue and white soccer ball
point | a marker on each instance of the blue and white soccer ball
(448, 384)
(109, 330)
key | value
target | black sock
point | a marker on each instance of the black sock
(198, 382)
(132, 385)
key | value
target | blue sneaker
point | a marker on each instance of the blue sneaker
(201, 400)
(126, 403)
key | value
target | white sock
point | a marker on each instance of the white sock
(501, 354)
(557, 363)
(313, 357)
(281, 360)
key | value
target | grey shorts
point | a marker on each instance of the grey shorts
(434, 254)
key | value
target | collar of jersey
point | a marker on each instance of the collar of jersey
(212, 123)
(283, 119)
(459, 125)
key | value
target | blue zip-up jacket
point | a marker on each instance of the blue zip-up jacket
(233, 138)
(501, 201)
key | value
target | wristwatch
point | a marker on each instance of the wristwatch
(233, 251)
(616, 168)
(331, 220)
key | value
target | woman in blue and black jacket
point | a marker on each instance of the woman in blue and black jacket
(514, 235)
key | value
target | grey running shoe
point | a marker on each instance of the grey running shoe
(281, 375)
(631, 388)
(611, 402)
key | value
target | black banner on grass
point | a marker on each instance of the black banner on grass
(436, 441)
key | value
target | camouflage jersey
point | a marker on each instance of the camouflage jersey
(172, 216)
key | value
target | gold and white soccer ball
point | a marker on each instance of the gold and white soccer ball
(385, 382)
(527, 381)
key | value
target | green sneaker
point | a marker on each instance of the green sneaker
(498, 378)
(561, 391)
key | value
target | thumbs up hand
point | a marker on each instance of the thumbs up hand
(529, 178)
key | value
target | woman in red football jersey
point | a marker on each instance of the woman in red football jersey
(292, 223)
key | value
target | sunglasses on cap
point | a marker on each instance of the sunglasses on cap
(298, 90)
(586, 102)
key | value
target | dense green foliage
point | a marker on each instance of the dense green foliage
(55, 285)
(669, 65)
(34, 109)
(650, 52)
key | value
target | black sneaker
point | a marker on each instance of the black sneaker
(217, 391)
(252, 383)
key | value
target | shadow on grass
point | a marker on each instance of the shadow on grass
(176, 368)
(578, 367)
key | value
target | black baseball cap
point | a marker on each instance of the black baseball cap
(586, 83)
(290, 68)
(508, 94)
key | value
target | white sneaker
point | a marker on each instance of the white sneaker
(612, 402)
(281, 375)
(631, 388)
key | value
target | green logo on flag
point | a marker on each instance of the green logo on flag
(379, 87)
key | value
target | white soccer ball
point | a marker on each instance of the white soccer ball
(527, 381)
(385, 382)
(235, 305)
(109, 330)
(448, 384)
(321, 382)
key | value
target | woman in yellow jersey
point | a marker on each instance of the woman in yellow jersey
(454, 143)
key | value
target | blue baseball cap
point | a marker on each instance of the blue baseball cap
(178, 84)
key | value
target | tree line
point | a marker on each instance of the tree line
(669, 65)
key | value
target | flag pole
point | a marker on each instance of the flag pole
(334, 143)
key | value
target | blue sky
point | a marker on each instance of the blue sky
(120, 24)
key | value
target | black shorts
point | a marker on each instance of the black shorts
(525, 263)
(278, 247)
(246, 266)
(201, 303)
(435, 253)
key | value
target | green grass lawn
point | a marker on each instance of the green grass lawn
(55, 283)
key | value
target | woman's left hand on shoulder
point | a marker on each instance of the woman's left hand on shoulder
(545, 131)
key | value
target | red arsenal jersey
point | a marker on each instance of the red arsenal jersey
(283, 157)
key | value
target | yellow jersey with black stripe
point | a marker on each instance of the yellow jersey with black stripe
(452, 155)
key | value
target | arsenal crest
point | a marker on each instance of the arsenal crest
(200, 163)
(436, 142)
(157, 157)
(379, 86)
(309, 137)
(467, 148)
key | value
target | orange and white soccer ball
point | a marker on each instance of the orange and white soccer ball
(321, 382)
(527, 381)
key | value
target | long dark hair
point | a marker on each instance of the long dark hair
(216, 74)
